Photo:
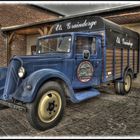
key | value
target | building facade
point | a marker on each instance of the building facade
(22, 39)
(13, 15)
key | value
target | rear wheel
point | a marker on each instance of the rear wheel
(124, 87)
(48, 108)
(127, 83)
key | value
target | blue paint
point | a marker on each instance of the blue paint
(3, 72)
(36, 79)
(122, 62)
(84, 95)
(12, 79)
(104, 60)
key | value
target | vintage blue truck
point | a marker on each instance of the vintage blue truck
(80, 54)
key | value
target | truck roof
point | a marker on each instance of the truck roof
(90, 24)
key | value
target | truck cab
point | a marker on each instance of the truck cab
(81, 53)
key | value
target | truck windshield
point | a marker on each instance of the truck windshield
(57, 44)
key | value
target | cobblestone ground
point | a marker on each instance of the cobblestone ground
(106, 115)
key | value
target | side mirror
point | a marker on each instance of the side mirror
(86, 54)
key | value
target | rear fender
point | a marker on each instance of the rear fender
(128, 69)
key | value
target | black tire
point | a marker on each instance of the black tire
(120, 87)
(33, 108)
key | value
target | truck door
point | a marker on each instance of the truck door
(87, 61)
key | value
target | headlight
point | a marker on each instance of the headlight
(21, 72)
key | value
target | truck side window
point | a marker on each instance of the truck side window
(81, 44)
(63, 44)
(85, 43)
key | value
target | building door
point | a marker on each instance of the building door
(31, 44)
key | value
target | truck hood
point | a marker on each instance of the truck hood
(34, 63)
(9, 79)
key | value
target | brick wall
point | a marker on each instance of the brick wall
(15, 14)
(18, 47)
(21, 14)
(3, 52)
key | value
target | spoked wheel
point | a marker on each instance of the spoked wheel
(48, 107)
(124, 87)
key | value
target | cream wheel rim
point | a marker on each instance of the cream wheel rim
(127, 82)
(49, 106)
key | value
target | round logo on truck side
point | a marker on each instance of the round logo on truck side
(85, 71)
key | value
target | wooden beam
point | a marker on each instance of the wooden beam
(11, 37)
(131, 25)
(8, 49)
(125, 14)
(41, 31)
(50, 30)
(28, 31)
(45, 30)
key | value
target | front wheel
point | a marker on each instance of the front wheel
(48, 108)
(124, 87)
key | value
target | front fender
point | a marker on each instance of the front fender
(35, 80)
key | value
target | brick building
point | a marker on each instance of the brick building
(11, 15)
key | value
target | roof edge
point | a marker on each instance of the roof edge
(99, 13)
(46, 9)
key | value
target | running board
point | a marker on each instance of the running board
(86, 94)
